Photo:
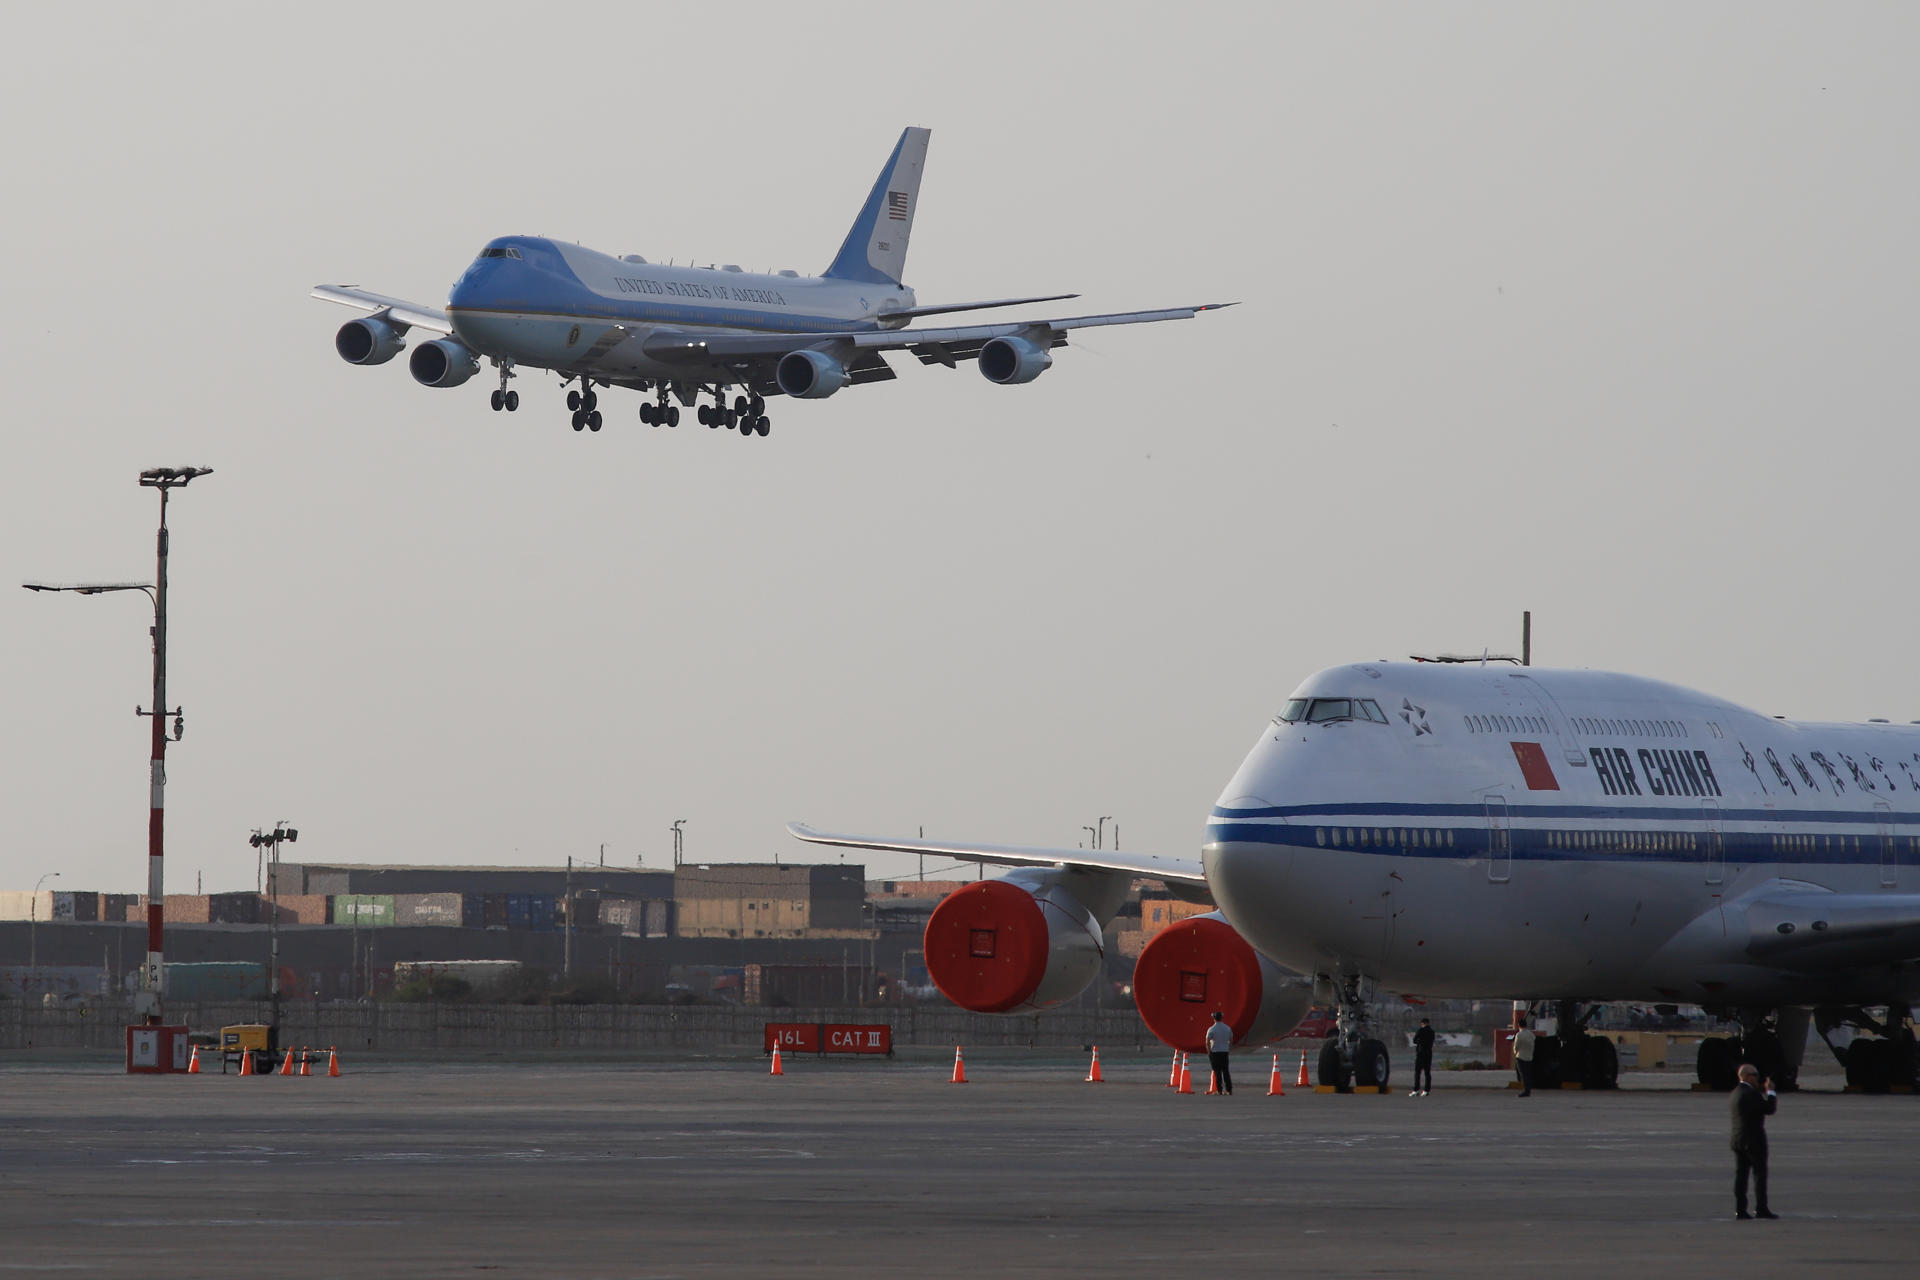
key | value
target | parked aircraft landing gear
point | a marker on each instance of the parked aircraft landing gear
(1884, 1059)
(1352, 1057)
(1773, 1040)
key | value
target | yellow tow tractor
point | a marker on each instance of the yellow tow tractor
(256, 1038)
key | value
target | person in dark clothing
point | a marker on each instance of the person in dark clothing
(1753, 1102)
(1423, 1059)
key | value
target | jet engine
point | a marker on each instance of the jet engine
(368, 341)
(442, 363)
(1011, 361)
(809, 375)
(1201, 964)
(1027, 941)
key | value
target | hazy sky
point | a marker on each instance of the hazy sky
(1605, 312)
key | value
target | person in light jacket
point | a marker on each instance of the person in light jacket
(1523, 1056)
(1219, 1041)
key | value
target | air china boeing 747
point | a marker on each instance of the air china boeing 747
(1494, 831)
(684, 332)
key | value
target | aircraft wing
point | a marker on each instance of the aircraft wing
(410, 315)
(1809, 929)
(932, 346)
(1186, 872)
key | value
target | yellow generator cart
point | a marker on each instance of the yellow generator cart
(255, 1038)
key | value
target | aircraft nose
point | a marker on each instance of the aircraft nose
(1248, 871)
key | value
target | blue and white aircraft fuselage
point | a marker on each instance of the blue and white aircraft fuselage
(1454, 830)
(684, 331)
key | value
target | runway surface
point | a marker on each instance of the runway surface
(623, 1169)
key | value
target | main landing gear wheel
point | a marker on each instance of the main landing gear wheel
(1715, 1065)
(646, 414)
(579, 420)
(1370, 1064)
(1332, 1067)
(673, 415)
(593, 420)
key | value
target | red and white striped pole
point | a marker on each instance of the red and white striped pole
(148, 1003)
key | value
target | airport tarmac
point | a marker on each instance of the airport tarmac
(713, 1168)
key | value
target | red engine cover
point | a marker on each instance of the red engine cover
(987, 946)
(1191, 969)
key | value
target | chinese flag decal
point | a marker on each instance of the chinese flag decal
(1534, 767)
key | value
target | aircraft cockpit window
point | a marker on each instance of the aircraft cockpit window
(497, 251)
(1326, 709)
(1373, 711)
(1296, 709)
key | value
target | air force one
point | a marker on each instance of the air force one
(681, 333)
(1437, 830)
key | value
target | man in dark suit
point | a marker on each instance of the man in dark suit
(1422, 1060)
(1752, 1104)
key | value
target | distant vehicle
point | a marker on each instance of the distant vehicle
(685, 332)
(1319, 1023)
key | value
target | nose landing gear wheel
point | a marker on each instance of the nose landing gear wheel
(513, 401)
(1331, 1070)
(1370, 1064)
(499, 401)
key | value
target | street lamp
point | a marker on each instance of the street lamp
(33, 924)
(270, 841)
(146, 1003)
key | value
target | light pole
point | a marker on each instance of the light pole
(146, 1004)
(678, 837)
(1099, 836)
(33, 924)
(270, 841)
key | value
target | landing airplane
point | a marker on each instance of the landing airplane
(1452, 830)
(684, 332)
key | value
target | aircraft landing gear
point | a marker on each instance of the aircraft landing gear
(1353, 1057)
(750, 412)
(585, 406)
(1773, 1040)
(503, 398)
(1881, 1061)
(1571, 1056)
(660, 414)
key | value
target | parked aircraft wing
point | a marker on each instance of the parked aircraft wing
(1182, 871)
(409, 314)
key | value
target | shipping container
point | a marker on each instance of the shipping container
(543, 912)
(473, 911)
(216, 980)
(659, 918)
(185, 908)
(478, 974)
(519, 910)
(363, 910)
(428, 908)
(585, 912)
(494, 911)
(120, 907)
(297, 908)
(16, 905)
(234, 908)
(78, 906)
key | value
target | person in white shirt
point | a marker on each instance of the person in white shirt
(1523, 1056)
(1219, 1040)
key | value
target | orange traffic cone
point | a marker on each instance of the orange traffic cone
(246, 1062)
(333, 1061)
(286, 1068)
(959, 1067)
(778, 1070)
(1093, 1073)
(1273, 1082)
(1303, 1082)
(193, 1061)
(306, 1061)
(1173, 1076)
(1186, 1076)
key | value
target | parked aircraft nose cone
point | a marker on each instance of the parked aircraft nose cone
(1250, 884)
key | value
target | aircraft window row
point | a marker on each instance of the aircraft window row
(1625, 841)
(1507, 724)
(1812, 844)
(1632, 728)
(497, 252)
(1326, 710)
(1384, 837)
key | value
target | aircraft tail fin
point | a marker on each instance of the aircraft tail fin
(875, 250)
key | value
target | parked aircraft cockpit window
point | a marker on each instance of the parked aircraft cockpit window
(1295, 709)
(1373, 711)
(1325, 709)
